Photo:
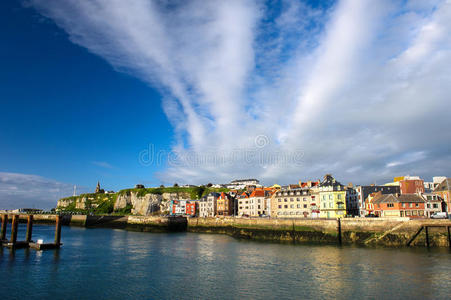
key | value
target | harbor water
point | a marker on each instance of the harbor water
(119, 264)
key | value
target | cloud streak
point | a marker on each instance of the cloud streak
(31, 191)
(358, 87)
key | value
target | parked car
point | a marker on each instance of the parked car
(439, 215)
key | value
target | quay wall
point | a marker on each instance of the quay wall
(385, 232)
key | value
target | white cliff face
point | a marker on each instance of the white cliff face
(149, 203)
(143, 205)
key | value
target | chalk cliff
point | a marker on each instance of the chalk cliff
(143, 201)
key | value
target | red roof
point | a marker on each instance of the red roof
(258, 193)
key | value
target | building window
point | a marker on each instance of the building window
(280, 206)
(410, 205)
(292, 206)
(417, 205)
(331, 204)
(305, 205)
(390, 205)
(285, 200)
(298, 206)
(305, 199)
(280, 200)
(339, 196)
(285, 206)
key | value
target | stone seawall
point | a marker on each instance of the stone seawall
(358, 231)
(394, 232)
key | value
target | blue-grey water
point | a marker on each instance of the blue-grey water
(119, 264)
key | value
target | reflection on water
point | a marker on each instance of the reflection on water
(117, 264)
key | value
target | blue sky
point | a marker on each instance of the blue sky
(277, 90)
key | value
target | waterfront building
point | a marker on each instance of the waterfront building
(369, 204)
(352, 201)
(254, 205)
(208, 205)
(294, 203)
(444, 191)
(243, 204)
(363, 191)
(433, 204)
(399, 205)
(192, 208)
(225, 205)
(184, 207)
(332, 196)
(177, 207)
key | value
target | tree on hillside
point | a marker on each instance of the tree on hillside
(176, 184)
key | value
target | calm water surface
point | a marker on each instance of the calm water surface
(118, 264)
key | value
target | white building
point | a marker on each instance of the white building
(243, 183)
(207, 205)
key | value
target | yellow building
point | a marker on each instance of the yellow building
(332, 198)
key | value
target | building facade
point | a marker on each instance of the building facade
(208, 205)
(294, 203)
(434, 204)
(443, 190)
(225, 205)
(332, 196)
(399, 205)
(254, 204)
(363, 191)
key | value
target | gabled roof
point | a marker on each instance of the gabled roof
(445, 185)
(405, 198)
(329, 180)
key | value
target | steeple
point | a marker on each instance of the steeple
(98, 187)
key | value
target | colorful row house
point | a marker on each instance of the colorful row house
(255, 204)
(332, 198)
(208, 205)
(184, 207)
(294, 202)
(443, 190)
(225, 205)
(399, 205)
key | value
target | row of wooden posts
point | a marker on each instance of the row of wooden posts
(28, 242)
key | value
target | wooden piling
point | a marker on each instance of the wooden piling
(14, 225)
(58, 231)
(29, 228)
(449, 237)
(4, 225)
(339, 231)
(427, 236)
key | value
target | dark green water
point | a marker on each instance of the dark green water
(117, 264)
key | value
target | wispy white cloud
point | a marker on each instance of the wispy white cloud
(102, 164)
(358, 83)
(25, 190)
